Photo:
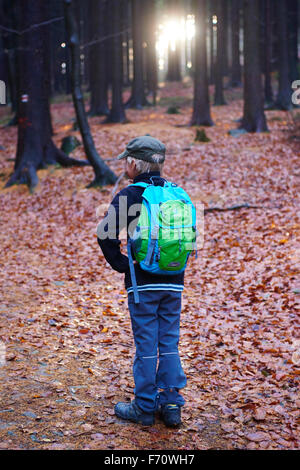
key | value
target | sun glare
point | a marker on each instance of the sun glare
(171, 33)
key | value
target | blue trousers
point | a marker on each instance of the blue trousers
(155, 324)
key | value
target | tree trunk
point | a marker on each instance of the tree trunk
(151, 64)
(3, 57)
(219, 69)
(293, 12)
(57, 32)
(225, 18)
(174, 72)
(212, 42)
(283, 100)
(97, 59)
(268, 53)
(86, 15)
(125, 40)
(236, 73)
(8, 14)
(174, 51)
(117, 113)
(103, 174)
(35, 148)
(3, 63)
(138, 98)
(254, 118)
(68, 86)
(201, 111)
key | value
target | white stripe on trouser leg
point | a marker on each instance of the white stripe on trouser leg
(148, 357)
(163, 354)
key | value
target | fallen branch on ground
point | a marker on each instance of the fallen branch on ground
(232, 208)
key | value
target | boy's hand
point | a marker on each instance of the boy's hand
(102, 209)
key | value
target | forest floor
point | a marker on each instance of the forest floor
(66, 347)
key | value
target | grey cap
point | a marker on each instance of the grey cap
(143, 148)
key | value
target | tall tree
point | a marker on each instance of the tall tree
(225, 19)
(236, 72)
(35, 148)
(8, 15)
(85, 32)
(174, 51)
(293, 15)
(117, 113)
(138, 98)
(254, 118)
(151, 64)
(283, 99)
(212, 41)
(268, 52)
(97, 58)
(126, 37)
(103, 174)
(219, 67)
(3, 54)
(57, 52)
(201, 109)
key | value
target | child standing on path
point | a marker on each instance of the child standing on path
(155, 316)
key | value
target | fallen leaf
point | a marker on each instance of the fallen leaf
(260, 414)
(257, 436)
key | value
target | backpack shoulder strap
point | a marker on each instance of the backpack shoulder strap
(132, 274)
(142, 184)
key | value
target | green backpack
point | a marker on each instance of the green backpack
(165, 233)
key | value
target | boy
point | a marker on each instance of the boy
(155, 319)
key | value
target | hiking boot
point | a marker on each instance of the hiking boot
(171, 415)
(131, 412)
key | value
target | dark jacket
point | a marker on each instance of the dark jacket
(111, 247)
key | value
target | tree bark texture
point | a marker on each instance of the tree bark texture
(174, 53)
(151, 63)
(103, 174)
(201, 108)
(283, 99)
(138, 98)
(8, 15)
(254, 118)
(117, 112)
(219, 68)
(269, 97)
(236, 72)
(126, 36)
(212, 42)
(293, 15)
(35, 148)
(97, 59)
